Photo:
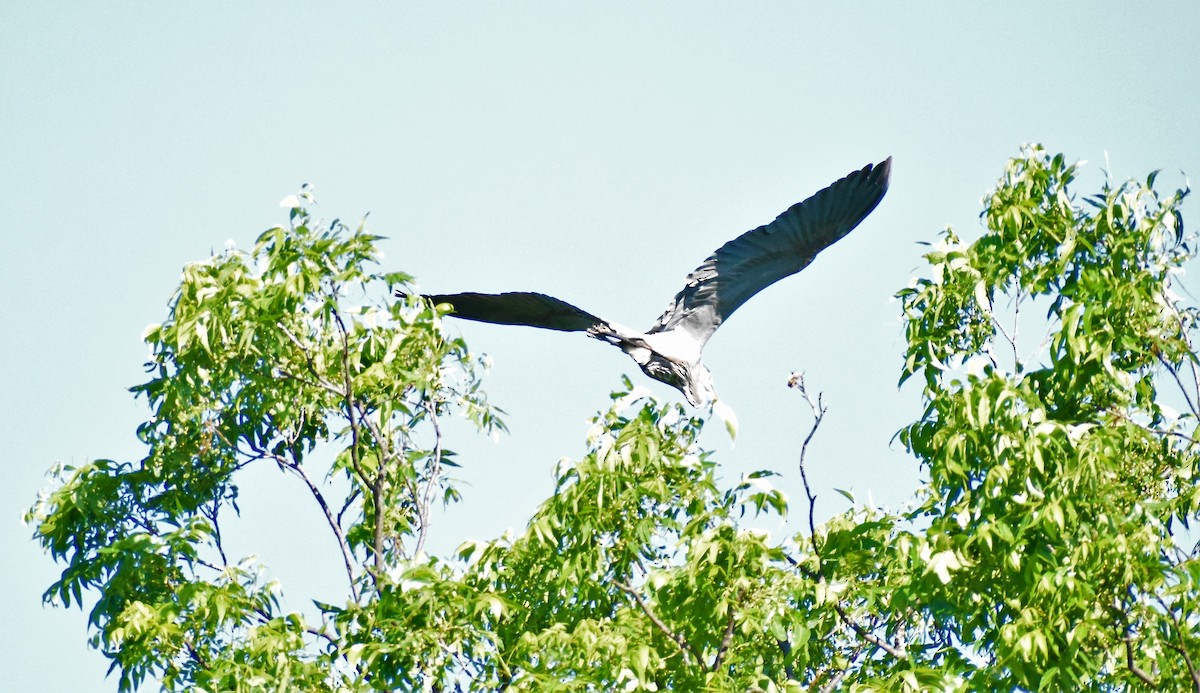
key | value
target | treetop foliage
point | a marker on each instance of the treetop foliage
(1051, 548)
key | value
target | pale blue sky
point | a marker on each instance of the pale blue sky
(594, 152)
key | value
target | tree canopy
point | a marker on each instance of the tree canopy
(1051, 546)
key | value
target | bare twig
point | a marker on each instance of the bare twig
(818, 411)
(685, 647)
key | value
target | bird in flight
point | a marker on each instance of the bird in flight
(670, 350)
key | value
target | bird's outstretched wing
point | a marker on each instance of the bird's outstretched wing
(756, 259)
(519, 308)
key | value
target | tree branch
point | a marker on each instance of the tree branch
(818, 411)
(312, 367)
(431, 482)
(212, 515)
(684, 646)
(381, 472)
(1178, 381)
(834, 682)
(298, 470)
(266, 617)
(796, 382)
(346, 395)
(1181, 648)
(195, 654)
(337, 530)
(898, 653)
(1132, 665)
(728, 637)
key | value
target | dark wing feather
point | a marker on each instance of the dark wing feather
(519, 308)
(756, 259)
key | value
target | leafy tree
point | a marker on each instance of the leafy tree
(1062, 484)
(1051, 547)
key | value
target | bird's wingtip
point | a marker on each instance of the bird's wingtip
(881, 172)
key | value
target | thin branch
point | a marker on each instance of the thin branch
(1192, 366)
(329, 387)
(1011, 339)
(312, 366)
(211, 566)
(1181, 648)
(431, 481)
(350, 498)
(785, 647)
(351, 408)
(796, 382)
(195, 654)
(898, 653)
(377, 503)
(818, 410)
(1016, 330)
(321, 634)
(1182, 390)
(212, 515)
(1187, 659)
(1183, 331)
(337, 530)
(298, 470)
(833, 683)
(728, 637)
(1133, 667)
(386, 453)
(266, 617)
(684, 646)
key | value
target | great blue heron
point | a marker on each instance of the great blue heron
(670, 350)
